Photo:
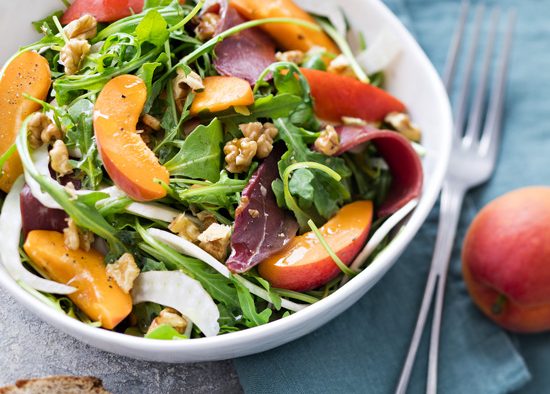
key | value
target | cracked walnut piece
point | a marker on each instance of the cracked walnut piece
(262, 134)
(185, 228)
(83, 28)
(294, 56)
(239, 154)
(328, 142)
(215, 240)
(181, 85)
(207, 26)
(170, 317)
(152, 122)
(124, 271)
(402, 123)
(206, 218)
(42, 130)
(76, 238)
(340, 65)
(59, 158)
(72, 54)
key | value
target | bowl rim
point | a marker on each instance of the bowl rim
(384, 261)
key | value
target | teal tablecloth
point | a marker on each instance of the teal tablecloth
(363, 349)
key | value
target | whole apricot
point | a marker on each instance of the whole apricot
(506, 260)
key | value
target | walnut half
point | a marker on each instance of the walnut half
(185, 228)
(76, 238)
(72, 55)
(169, 317)
(124, 271)
(239, 154)
(328, 141)
(83, 28)
(263, 134)
(403, 124)
(42, 130)
(59, 158)
(215, 240)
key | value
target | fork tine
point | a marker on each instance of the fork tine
(470, 62)
(475, 116)
(456, 43)
(492, 129)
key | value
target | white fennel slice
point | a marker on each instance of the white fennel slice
(327, 8)
(10, 228)
(41, 160)
(177, 290)
(381, 53)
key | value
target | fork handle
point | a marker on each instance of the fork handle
(451, 202)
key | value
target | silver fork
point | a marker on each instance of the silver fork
(473, 158)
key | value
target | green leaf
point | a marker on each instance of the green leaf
(153, 265)
(145, 313)
(319, 195)
(47, 25)
(155, 3)
(223, 194)
(264, 107)
(165, 332)
(200, 154)
(248, 307)
(152, 29)
(147, 71)
(81, 136)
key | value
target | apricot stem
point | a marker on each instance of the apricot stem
(498, 307)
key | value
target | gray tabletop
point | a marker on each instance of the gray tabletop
(32, 348)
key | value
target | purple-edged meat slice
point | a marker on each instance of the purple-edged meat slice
(261, 227)
(246, 54)
(36, 216)
(404, 163)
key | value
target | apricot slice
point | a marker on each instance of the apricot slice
(26, 73)
(287, 35)
(132, 166)
(221, 93)
(304, 264)
(98, 296)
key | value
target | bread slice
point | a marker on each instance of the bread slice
(57, 385)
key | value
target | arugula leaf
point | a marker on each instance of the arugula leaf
(165, 332)
(289, 80)
(81, 137)
(223, 194)
(153, 265)
(47, 25)
(265, 107)
(152, 29)
(200, 154)
(155, 3)
(319, 195)
(248, 307)
(145, 313)
(147, 71)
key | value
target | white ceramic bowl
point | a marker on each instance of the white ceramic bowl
(412, 78)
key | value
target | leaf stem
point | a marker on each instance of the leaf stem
(189, 16)
(329, 250)
(346, 50)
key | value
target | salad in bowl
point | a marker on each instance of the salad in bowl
(176, 170)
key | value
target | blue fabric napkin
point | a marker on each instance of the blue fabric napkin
(363, 349)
